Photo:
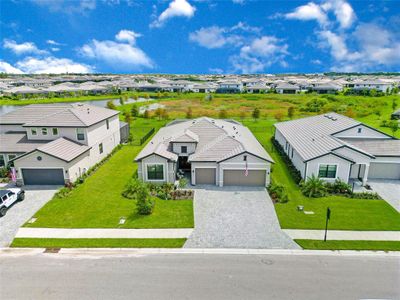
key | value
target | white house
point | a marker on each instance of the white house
(377, 84)
(334, 146)
(56, 143)
(214, 152)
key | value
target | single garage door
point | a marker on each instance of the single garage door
(237, 177)
(384, 171)
(205, 176)
(43, 176)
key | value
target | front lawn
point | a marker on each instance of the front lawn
(350, 245)
(98, 203)
(347, 214)
(97, 243)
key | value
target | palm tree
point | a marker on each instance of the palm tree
(313, 187)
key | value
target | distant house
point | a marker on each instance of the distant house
(256, 89)
(332, 146)
(56, 143)
(325, 88)
(210, 151)
(287, 88)
(230, 87)
(376, 84)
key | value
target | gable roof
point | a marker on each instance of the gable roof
(217, 140)
(58, 115)
(18, 143)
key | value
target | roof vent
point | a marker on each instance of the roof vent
(334, 119)
(88, 110)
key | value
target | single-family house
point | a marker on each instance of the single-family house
(287, 88)
(56, 143)
(376, 84)
(332, 146)
(230, 87)
(209, 151)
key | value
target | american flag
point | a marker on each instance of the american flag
(13, 175)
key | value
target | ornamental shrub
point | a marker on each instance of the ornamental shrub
(313, 187)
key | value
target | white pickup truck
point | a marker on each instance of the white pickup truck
(8, 198)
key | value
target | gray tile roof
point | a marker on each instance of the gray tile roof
(18, 143)
(312, 136)
(377, 147)
(217, 140)
(58, 115)
(63, 149)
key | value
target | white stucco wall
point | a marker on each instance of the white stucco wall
(176, 148)
(169, 168)
(343, 167)
(67, 132)
(366, 132)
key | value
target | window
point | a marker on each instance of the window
(2, 161)
(33, 131)
(101, 148)
(292, 152)
(44, 131)
(245, 158)
(327, 171)
(80, 134)
(108, 124)
(155, 172)
(55, 131)
(183, 149)
(359, 130)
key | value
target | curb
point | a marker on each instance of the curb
(147, 251)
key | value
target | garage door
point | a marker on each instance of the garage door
(205, 175)
(43, 176)
(237, 177)
(384, 171)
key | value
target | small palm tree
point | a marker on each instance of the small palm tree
(313, 187)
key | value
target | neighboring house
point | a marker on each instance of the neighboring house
(57, 143)
(287, 88)
(325, 88)
(216, 152)
(377, 84)
(230, 87)
(256, 89)
(333, 146)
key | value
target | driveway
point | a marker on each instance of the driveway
(389, 190)
(20, 212)
(236, 217)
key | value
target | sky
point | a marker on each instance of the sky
(199, 36)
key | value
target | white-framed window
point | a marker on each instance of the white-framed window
(327, 171)
(101, 148)
(55, 131)
(155, 172)
(80, 134)
(108, 124)
(44, 131)
(33, 131)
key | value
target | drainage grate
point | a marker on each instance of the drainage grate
(51, 250)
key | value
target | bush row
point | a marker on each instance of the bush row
(296, 175)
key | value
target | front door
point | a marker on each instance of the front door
(183, 163)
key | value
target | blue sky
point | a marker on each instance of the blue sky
(203, 36)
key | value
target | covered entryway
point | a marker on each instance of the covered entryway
(43, 176)
(205, 175)
(384, 171)
(238, 178)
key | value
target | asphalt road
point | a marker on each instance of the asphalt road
(199, 276)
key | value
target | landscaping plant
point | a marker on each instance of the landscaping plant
(313, 187)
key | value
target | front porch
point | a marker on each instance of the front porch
(359, 174)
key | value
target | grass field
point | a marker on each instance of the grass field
(350, 245)
(97, 243)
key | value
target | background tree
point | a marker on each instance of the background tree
(121, 100)
(242, 115)
(165, 115)
(189, 113)
(111, 105)
(134, 111)
(146, 114)
(223, 114)
(158, 113)
(350, 113)
(256, 114)
(394, 104)
(290, 112)
(278, 116)
(394, 126)
(127, 117)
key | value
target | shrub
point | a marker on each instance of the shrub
(132, 188)
(64, 192)
(338, 187)
(296, 175)
(365, 195)
(278, 193)
(4, 172)
(313, 187)
(183, 182)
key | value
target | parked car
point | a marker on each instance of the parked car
(8, 198)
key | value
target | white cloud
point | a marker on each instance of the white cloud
(5, 67)
(54, 49)
(176, 8)
(67, 6)
(216, 70)
(261, 53)
(54, 43)
(120, 54)
(210, 37)
(127, 36)
(51, 65)
(344, 13)
(310, 11)
(337, 45)
(23, 48)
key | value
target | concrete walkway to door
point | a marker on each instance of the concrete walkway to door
(236, 217)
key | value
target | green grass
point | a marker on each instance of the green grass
(98, 203)
(97, 243)
(350, 245)
(347, 214)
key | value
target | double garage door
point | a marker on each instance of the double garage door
(384, 171)
(43, 176)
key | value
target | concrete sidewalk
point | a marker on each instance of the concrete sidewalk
(344, 235)
(88, 233)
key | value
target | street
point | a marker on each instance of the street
(199, 276)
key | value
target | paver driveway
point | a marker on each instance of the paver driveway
(20, 212)
(389, 190)
(236, 217)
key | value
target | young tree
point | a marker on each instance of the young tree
(350, 113)
(146, 114)
(111, 105)
(394, 126)
(127, 117)
(279, 116)
(394, 104)
(158, 112)
(223, 114)
(256, 114)
(134, 111)
(165, 114)
(121, 100)
(189, 113)
(290, 112)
